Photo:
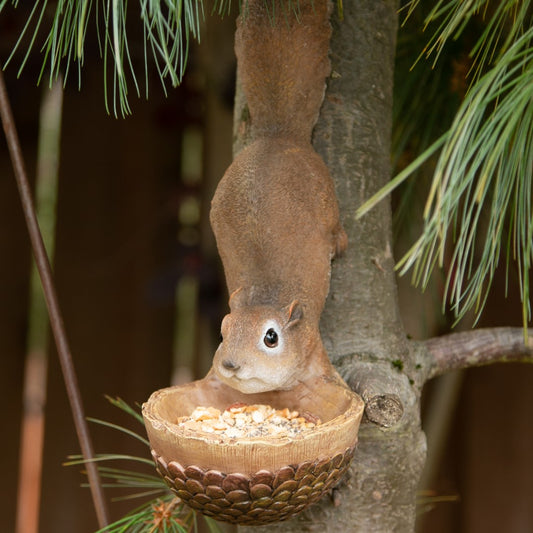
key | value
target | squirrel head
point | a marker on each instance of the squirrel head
(260, 348)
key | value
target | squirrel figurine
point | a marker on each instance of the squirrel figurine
(274, 214)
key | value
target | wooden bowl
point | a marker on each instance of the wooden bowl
(252, 480)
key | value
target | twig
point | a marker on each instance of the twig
(477, 347)
(56, 321)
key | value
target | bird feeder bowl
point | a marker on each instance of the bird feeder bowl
(255, 480)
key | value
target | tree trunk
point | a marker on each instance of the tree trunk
(360, 325)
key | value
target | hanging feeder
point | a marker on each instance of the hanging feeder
(251, 480)
(276, 222)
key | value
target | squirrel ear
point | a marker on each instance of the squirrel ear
(294, 313)
(235, 298)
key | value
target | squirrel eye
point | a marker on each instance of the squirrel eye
(271, 338)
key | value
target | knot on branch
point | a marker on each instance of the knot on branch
(384, 409)
(384, 390)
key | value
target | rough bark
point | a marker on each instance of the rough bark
(476, 348)
(361, 321)
(361, 325)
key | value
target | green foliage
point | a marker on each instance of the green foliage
(163, 511)
(167, 28)
(479, 202)
(397, 364)
(148, 519)
(485, 167)
(505, 19)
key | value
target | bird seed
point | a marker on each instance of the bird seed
(248, 421)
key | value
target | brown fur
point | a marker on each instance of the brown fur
(274, 214)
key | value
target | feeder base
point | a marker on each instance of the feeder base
(260, 498)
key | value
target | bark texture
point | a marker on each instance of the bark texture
(476, 348)
(361, 325)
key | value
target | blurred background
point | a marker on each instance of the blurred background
(142, 294)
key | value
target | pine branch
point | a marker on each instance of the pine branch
(478, 211)
(483, 171)
(476, 348)
(164, 511)
(167, 28)
(60, 30)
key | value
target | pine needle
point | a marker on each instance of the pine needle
(484, 169)
(479, 203)
(164, 511)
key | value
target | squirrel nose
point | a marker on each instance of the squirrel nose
(228, 364)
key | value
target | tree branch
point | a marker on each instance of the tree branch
(56, 318)
(477, 347)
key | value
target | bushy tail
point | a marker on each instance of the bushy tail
(283, 63)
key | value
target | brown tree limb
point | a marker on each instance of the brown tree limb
(56, 319)
(477, 347)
